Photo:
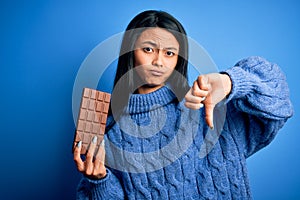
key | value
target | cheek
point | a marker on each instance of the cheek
(140, 58)
(172, 62)
(141, 70)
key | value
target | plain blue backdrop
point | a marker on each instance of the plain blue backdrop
(43, 44)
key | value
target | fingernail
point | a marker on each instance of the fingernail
(102, 143)
(94, 141)
(211, 127)
(79, 144)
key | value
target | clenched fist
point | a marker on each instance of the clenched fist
(208, 90)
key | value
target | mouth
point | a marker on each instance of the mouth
(156, 73)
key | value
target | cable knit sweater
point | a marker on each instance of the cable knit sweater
(257, 107)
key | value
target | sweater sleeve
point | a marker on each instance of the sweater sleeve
(106, 188)
(259, 104)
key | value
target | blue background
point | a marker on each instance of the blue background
(43, 44)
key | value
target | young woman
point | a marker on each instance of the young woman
(157, 124)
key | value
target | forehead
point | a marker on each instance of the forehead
(159, 36)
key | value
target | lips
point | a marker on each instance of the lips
(156, 72)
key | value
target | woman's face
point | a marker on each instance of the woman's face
(156, 54)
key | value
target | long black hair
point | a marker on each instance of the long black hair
(125, 76)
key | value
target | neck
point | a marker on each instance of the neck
(145, 89)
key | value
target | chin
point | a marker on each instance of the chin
(154, 83)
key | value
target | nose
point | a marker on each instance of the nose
(158, 59)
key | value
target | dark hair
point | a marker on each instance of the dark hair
(138, 24)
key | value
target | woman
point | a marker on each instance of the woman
(149, 90)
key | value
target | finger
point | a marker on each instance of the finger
(78, 161)
(193, 99)
(209, 115)
(203, 82)
(99, 168)
(100, 156)
(194, 106)
(196, 91)
(90, 156)
(195, 88)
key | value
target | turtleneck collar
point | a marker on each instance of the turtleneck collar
(139, 103)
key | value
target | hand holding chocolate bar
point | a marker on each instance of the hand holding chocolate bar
(93, 167)
(88, 139)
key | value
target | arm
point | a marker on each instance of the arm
(260, 88)
(98, 181)
(258, 100)
(258, 104)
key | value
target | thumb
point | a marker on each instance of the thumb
(209, 115)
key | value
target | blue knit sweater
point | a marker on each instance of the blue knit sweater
(154, 152)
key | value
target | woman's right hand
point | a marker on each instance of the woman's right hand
(93, 166)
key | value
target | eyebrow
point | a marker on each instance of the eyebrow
(155, 45)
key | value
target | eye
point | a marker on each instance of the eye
(148, 49)
(170, 53)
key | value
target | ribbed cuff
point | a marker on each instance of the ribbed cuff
(100, 189)
(242, 83)
(107, 188)
(101, 181)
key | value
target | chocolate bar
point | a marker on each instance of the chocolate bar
(91, 118)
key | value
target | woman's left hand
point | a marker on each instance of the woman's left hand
(208, 90)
